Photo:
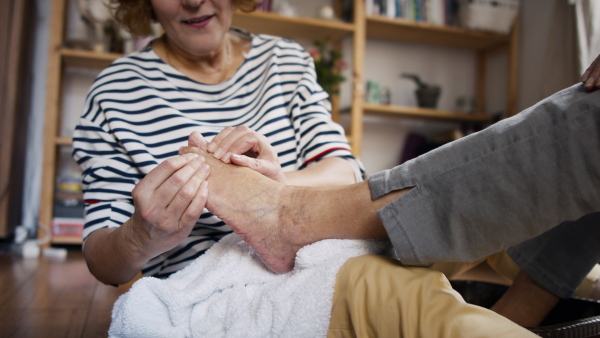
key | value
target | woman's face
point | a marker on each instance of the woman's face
(196, 27)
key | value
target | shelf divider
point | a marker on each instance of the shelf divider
(64, 141)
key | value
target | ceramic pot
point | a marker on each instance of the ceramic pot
(427, 97)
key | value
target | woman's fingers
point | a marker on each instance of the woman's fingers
(241, 140)
(248, 162)
(151, 203)
(163, 171)
(169, 190)
(269, 169)
(166, 215)
(195, 208)
(185, 204)
(220, 142)
(252, 145)
(189, 150)
(197, 140)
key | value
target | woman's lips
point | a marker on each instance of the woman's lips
(200, 22)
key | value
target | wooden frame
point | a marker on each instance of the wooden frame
(53, 105)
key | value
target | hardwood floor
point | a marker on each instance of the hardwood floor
(51, 298)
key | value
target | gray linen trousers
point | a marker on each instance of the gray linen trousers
(532, 179)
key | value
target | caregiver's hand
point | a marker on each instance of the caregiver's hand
(591, 77)
(168, 202)
(247, 148)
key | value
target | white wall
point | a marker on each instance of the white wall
(452, 69)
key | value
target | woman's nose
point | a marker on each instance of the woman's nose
(192, 3)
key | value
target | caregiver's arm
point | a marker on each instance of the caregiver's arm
(168, 202)
(331, 171)
(245, 147)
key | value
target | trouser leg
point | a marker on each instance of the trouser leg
(499, 187)
(376, 297)
(560, 258)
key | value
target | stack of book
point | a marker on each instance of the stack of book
(437, 12)
(68, 208)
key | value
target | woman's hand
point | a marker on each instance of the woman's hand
(591, 77)
(247, 148)
(168, 203)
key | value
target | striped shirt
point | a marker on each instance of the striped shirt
(140, 111)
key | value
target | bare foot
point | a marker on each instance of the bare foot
(277, 220)
(251, 205)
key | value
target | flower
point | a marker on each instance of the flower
(328, 66)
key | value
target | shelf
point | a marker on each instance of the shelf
(381, 27)
(291, 27)
(64, 141)
(422, 113)
(66, 240)
(87, 59)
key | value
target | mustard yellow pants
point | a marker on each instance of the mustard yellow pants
(502, 264)
(377, 297)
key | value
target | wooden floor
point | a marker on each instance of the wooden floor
(50, 298)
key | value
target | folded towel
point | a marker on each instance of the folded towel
(228, 292)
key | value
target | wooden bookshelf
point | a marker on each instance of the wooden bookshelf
(359, 31)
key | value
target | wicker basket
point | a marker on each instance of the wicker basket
(488, 15)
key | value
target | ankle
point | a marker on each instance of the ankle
(526, 302)
(295, 215)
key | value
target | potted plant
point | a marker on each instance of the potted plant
(427, 94)
(328, 66)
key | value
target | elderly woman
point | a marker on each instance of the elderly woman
(251, 94)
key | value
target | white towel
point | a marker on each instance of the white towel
(228, 292)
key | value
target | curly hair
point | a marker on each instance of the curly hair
(136, 16)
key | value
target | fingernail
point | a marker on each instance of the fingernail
(218, 153)
(211, 147)
(204, 185)
(200, 160)
(204, 169)
(191, 156)
(226, 158)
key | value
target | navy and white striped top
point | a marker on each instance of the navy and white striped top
(140, 111)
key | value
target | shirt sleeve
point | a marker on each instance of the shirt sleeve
(317, 135)
(109, 173)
